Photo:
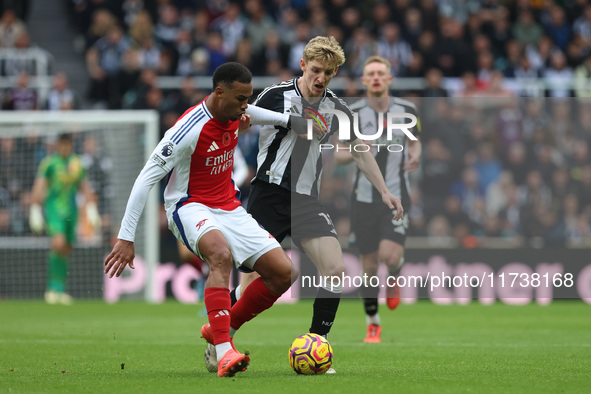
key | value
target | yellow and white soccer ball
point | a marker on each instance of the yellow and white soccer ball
(310, 354)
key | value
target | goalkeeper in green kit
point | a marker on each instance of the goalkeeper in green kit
(59, 179)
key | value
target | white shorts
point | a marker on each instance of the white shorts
(247, 239)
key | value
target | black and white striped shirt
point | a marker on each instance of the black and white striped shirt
(284, 158)
(390, 163)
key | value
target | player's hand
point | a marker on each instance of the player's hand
(244, 123)
(394, 204)
(299, 125)
(123, 254)
(93, 216)
(36, 221)
(412, 164)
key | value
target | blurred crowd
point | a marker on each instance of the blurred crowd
(493, 165)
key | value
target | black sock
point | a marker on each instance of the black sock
(325, 310)
(233, 296)
(370, 300)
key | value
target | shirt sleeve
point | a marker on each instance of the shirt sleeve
(150, 174)
(262, 116)
(163, 159)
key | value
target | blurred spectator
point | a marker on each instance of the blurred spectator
(487, 166)
(579, 159)
(10, 28)
(500, 34)
(215, 51)
(558, 28)
(135, 98)
(104, 62)
(539, 54)
(517, 162)
(141, 27)
(350, 20)
(561, 186)
(15, 65)
(526, 30)
(168, 25)
(200, 28)
(457, 218)
(359, 47)
(468, 189)
(288, 25)
(450, 51)
(21, 97)
(497, 193)
(584, 188)
(148, 53)
(439, 172)
(433, 80)
(558, 76)
(413, 27)
(582, 78)
(392, 47)
(509, 125)
(61, 97)
(438, 231)
(297, 49)
(273, 57)
(526, 77)
(102, 22)
(258, 25)
(582, 29)
(232, 28)
(535, 118)
(534, 192)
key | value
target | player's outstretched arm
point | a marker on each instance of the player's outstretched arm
(122, 255)
(367, 164)
(263, 116)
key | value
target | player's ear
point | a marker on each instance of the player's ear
(219, 91)
(335, 71)
(302, 64)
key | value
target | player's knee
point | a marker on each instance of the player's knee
(59, 244)
(219, 258)
(336, 269)
(395, 261)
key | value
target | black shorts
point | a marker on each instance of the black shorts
(283, 213)
(371, 223)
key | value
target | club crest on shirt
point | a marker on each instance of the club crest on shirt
(167, 149)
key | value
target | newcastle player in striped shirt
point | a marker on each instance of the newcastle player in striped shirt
(379, 238)
(284, 194)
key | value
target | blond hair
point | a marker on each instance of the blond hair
(377, 59)
(324, 49)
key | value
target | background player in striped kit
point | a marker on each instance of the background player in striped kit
(379, 238)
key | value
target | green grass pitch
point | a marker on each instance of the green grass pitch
(129, 347)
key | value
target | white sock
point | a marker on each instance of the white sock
(238, 288)
(375, 319)
(222, 348)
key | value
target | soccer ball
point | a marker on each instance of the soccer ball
(310, 354)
